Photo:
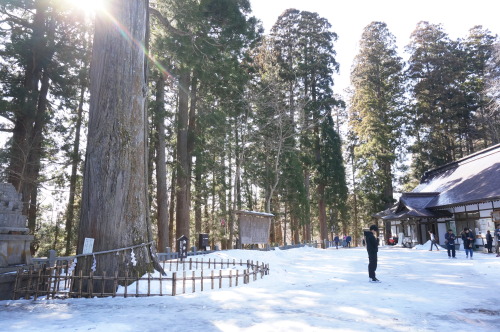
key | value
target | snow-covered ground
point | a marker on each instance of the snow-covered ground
(307, 290)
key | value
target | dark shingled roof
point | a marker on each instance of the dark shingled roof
(473, 179)
(414, 205)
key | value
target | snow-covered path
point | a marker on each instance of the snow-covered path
(307, 290)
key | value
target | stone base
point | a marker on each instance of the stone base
(7, 282)
(15, 249)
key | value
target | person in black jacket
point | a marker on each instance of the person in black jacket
(450, 243)
(468, 238)
(372, 248)
(489, 242)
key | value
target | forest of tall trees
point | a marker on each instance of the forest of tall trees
(160, 119)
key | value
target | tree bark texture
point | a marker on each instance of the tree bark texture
(161, 168)
(323, 229)
(114, 207)
(183, 169)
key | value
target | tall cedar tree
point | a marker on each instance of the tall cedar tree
(115, 210)
(304, 44)
(376, 114)
(434, 65)
(478, 50)
(42, 53)
(219, 30)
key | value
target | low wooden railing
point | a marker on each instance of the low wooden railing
(182, 276)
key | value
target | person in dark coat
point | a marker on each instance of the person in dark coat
(336, 240)
(449, 239)
(348, 240)
(468, 240)
(489, 242)
(497, 234)
(372, 248)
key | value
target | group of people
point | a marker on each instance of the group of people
(347, 241)
(489, 241)
(467, 235)
(468, 238)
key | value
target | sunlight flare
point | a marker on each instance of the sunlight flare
(89, 6)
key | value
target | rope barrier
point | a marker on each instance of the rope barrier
(114, 250)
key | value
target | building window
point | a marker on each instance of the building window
(467, 220)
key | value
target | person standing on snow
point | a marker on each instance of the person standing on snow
(336, 240)
(468, 239)
(489, 242)
(497, 234)
(433, 241)
(372, 248)
(450, 243)
(348, 240)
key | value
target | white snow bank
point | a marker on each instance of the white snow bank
(307, 290)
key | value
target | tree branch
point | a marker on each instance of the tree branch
(15, 19)
(166, 23)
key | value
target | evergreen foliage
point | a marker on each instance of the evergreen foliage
(242, 121)
(376, 115)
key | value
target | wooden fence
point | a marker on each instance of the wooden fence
(182, 276)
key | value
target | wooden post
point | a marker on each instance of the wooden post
(183, 282)
(91, 284)
(137, 285)
(194, 285)
(212, 277)
(201, 279)
(37, 287)
(66, 276)
(27, 294)
(174, 283)
(237, 276)
(161, 286)
(220, 278)
(115, 283)
(80, 284)
(103, 278)
(149, 283)
(16, 282)
(126, 277)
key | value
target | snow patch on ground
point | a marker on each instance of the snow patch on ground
(307, 289)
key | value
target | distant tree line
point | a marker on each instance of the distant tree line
(234, 119)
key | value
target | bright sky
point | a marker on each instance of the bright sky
(349, 17)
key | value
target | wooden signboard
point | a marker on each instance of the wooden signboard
(254, 227)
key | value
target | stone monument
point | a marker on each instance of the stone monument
(14, 238)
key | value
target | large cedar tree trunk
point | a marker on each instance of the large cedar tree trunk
(114, 208)
(161, 168)
(183, 164)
